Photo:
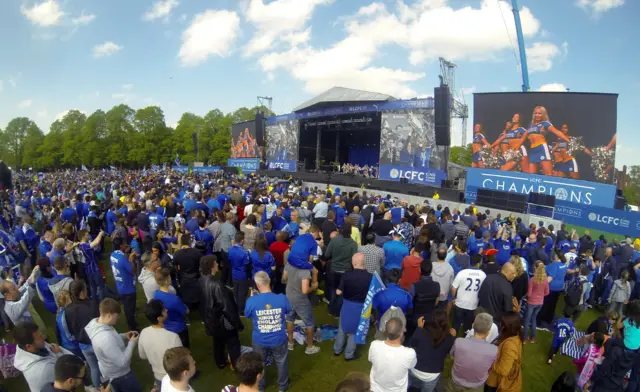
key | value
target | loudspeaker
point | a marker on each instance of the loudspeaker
(230, 170)
(5, 176)
(620, 203)
(442, 104)
(542, 199)
(404, 180)
(195, 143)
(260, 128)
(502, 200)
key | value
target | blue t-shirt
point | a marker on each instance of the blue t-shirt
(45, 247)
(111, 219)
(239, 258)
(504, 249)
(394, 295)
(478, 247)
(556, 270)
(301, 251)
(564, 246)
(176, 311)
(394, 253)
(562, 329)
(270, 236)
(122, 273)
(192, 225)
(631, 335)
(205, 236)
(262, 264)
(267, 312)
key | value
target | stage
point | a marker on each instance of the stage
(369, 184)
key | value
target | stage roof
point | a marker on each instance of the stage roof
(343, 94)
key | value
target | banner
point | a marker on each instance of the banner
(598, 218)
(247, 165)
(375, 287)
(569, 135)
(283, 142)
(288, 166)
(424, 176)
(564, 189)
(243, 140)
(359, 108)
(201, 169)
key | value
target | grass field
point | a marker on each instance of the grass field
(317, 373)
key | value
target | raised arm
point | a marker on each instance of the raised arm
(559, 134)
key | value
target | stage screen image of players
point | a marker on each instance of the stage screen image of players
(243, 140)
(407, 138)
(283, 141)
(570, 135)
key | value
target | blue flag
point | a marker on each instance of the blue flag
(375, 287)
(177, 161)
(84, 168)
(113, 168)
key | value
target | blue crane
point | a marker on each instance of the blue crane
(523, 53)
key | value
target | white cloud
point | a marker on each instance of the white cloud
(106, 49)
(599, 6)
(540, 56)
(46, 13)
(553, 87)
(61, 115)
(276, 20)
(161, 9)
(43, 113)
(211, 33)
(127, 87)
(123, 97)
(13, 80)
(25, 104)
(426, 29)
(83, 19)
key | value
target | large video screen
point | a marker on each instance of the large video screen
(283, 141)
(408, 139)
(243, 140)
(570, 135)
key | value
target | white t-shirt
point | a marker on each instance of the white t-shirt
(386, 375)
(468, 283)
(493, 334)
(167, 387)
(569, 257)
(152, 344)
(196, 188)
(248, 209)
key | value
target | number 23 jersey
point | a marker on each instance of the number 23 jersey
(467, 284)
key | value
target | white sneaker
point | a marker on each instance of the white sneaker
(312, 350)
(291, 346)
(90, 388)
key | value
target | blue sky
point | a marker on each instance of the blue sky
(197, 55)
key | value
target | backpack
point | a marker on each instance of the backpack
(573, 292)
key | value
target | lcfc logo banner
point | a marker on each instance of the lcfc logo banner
(425, 176)
(394, 173)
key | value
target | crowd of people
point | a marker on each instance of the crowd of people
(459, 283)
(359, 170)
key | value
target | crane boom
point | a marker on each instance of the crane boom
(523, 53)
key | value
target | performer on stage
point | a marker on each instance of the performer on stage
(512, 139)
(565, 162)
(539, 154)
(478, 142)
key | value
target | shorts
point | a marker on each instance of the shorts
(540, 154)
(523, 150)
(476, 157)
(560, 167)
(303, 309)
(570, 166)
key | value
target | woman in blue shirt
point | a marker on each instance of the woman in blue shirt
(262, 259)
(65, 337)
(176, 309)
(556, 272)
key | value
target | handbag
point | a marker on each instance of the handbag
(7, 355)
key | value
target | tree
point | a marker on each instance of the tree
(461, 155)
(119, 129)
(32, 142)
(632, 189)
(72, 124)
(92, 140)
(183, 136)
(13, 138)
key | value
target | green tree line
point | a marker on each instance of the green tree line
(121, 137)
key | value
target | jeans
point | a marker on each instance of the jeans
(462, 317)
(423, 386)
(335, 300)
(184, 337)
(126, 383)
(96, 287)
(129, 304)
(617, 306)
(281, 356)
(530, 318)
(350, 351)
(548, 310)
(92, 361)
(240, 292)
(230, 341)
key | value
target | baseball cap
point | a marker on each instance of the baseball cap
(490, 252)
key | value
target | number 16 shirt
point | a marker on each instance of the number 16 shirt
(468, 283)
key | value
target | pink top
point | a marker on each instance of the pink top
(537, 292)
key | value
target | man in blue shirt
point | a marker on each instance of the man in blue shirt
(192, 224)
(305, 249)
(277, 221)
(111, 218)
(393, 295)
(204, 235)
(557, 271)
(156, 222)
(46, 245)
(480, 244)
(394, 252)
(504, 245)
(240, 270)
(267, 311)
(124, 272)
